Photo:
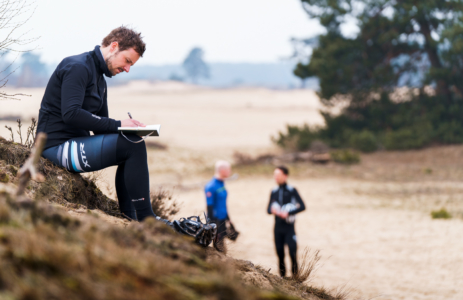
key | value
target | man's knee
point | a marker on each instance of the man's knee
(130, 143)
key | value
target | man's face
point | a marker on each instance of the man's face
(120, 61)
(279, 176)
(225, 172)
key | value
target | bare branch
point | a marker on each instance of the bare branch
(29, 169)
(14, 14)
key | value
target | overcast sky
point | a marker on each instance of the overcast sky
(228, 31)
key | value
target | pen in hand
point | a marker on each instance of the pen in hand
(133, 123)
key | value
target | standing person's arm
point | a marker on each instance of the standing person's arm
(210, 200)
(269, 211)
(74, 84)
(272, 210)
(300, 203)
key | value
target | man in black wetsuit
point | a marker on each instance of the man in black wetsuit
(285, 203)
(76, 102)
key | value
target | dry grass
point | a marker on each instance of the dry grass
(308, 265)
(163, 203)
(46, 253)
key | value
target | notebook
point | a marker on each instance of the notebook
(142, 131)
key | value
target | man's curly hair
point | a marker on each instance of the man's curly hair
(127, 38)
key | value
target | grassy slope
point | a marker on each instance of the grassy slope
(48, 254)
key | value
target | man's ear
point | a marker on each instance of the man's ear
(114, 46)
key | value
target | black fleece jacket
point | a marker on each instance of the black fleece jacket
(75, 100)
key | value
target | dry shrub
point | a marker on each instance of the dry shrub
(30, 134)
(243, 159)
(319, 147)
(308, 265)
(262, 278)
(163, 203)
(240, 158)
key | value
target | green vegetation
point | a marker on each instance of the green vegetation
(297, 138)
(416, 45)
(345, 156)
(441, 214)
(364, 141)
(4, 177)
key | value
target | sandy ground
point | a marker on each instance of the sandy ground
(371, 222)
(381, 252)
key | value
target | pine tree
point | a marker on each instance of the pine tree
(421, 41)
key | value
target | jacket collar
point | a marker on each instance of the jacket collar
(217, 179)
(283, 185)
(100, 63)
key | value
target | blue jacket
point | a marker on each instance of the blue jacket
(75, 100)
(216, 197)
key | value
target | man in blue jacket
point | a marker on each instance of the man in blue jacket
(216, 198)
(76, 102)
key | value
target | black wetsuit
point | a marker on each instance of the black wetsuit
(287, 198)
(75, 103)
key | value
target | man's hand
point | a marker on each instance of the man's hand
(283, 214)
(232, 233)
(275, 208)
(131, 123)
(275, 211)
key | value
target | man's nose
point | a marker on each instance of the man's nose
(127, 68)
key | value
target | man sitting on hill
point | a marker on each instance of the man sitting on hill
(75, 103)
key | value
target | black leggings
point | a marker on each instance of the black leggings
(93, 153)
(286, 236)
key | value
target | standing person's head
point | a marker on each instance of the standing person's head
(222, 169)
(121, 49)
(281, 174)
